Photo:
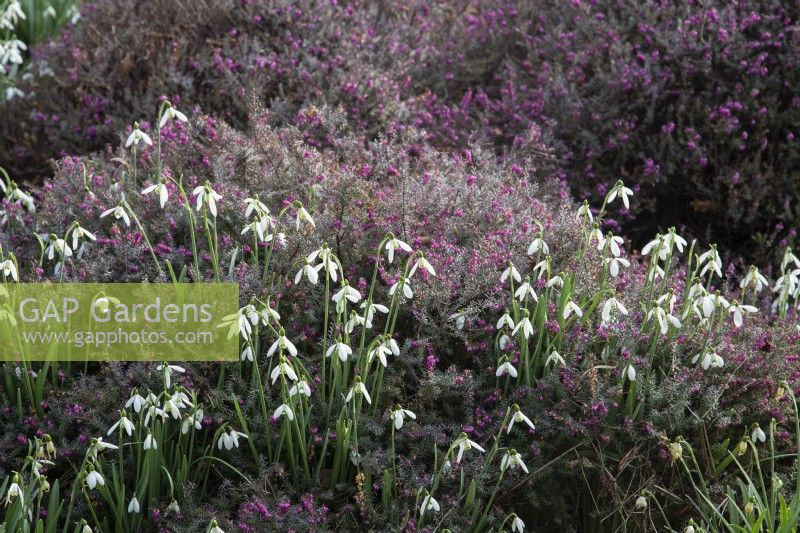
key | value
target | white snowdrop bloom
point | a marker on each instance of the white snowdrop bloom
(125, 423)
(98, 445)
(259, 226)
(517, 525)
(195, 420)
(622, 191)
(584, 212)
(394, 244)
(208, 196)
(168, 369)
(526, 289)
(556, 281)
(149, 442)
(460, 319)
(406, 287)
(512, 459)
(12, 92)
(247, 354)
(754, 279)
(542, 267)
(345, 293)
(612, 242)
(230, 440)
(611, 308)
(58, 247)
(172, 407)
(170, 113)
(94, 478)
(555, 359)
(301, 215)
(524, 324)
(596, 234)
(738, 310)
(422, 263)
(641, 503)
(213, 527)
(160, 189)
(428, 502)
(464, 445)
(369, 315)
(672, 239)
(663, 318)
(538, 245)
(788, 258)
(614, 265)
(79, 236)
(668, 300)
(505, 320)
(630, 372)
(358, 388)
(758, 435)
(518, 416)
(86, 527)
(301, 387)
(133, 505)
(267, 313)
(283, 369)
(506, 368)
(328, 261)
(711, 260)
(354, 320)
(138, 136)
(20, 197)
(504, 341)
(655, 272)
(284, 343)
(9, 268)
(309, 271)
(283, 410)
(510, 271)
(656, 244)
(136, 400)
(342, 350)
(254, 205)
(13, 13)
(381, 351)
(570, 308)
(708, 360)
(14, 490)
(118, 213)
(399, 415)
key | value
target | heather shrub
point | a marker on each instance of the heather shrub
(543, 374)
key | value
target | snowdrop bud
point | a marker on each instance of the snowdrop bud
(133, 506)
(748, 508)
(758, 435)
(213, 527)
(641, 503)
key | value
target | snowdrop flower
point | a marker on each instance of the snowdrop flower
(525, 290)
(641, 503)
(283, 369)
(123, 421)
(596, 234)
(538, 245)
(524, 324)
(571, 308)
(137, 136)
(346, 293)
(669, 299)
(94, 478)
(613, 242)
(161, 190)
(342, 350)
(14, 490)
(654, 273)
(505, 320)
(464, 445)
(194, 420)
(149, 442)
(394, 244)
(428, 502)
(506, 368)
(79, 233)
(302, 216)
(284, 343)
(168, 370)
(50, 12)
(622, 191)
(358, 388)
(133, 506)
(259, 227)
(58, 246)
(119, 213)
(584, 213)
(630, 372)
(709, 360)
(758, 435)
(712, 262)
(9, 268)
(402, 282)
(283, 410)
(673, 239)
(556, 281)
(422, 263)
(614, 265)
(399, 415)
(172, 406)
(385, 348)
(301, 387)
(517, 525)
(611, 308)
(97, 445)
(328, 260)
(247, 354)
(230, 439)
(205, 194)
(754, 279)
(170, 113)
(789, 257)
(510, 271)
(512, 459)
(85, 528)
(555, 359)
(17, 196)
(354, 320)
(14, 13)
(460, 319)
(370, 313)
(254, 205)
(656, 244)
(737, 310)
(213, 527)
(311, 272)
(663, 318)
(518, 416)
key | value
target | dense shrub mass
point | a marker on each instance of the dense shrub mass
(693, 102)
(633, 385)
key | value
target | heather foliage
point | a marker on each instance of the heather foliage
(511, 366)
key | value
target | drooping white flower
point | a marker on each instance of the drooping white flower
(79, 236)
(14, 490)
(358, 388)
(512, 459)
(283, 410)
(460, 319)
(737, 310)
(663, 318)
(213, 527)
(94, 478)
(119, 212)
(230, 440)
(630, 372)
(614, 265)
(709, 360)
(788, 258)
(284, 343)
(524, 324)
(126, 424)
(247, 354)
(754, 279)
(572, 308)
(506, 368)
(136, 400)
(283, 369)
(526, 289)
(711, 260)
(464, 445)
(538, 245)
(195, 420)
(758, 435)
(370, 313)
(518, 416)
(302, 216)
(168, 369)
(668, 300)
(150, 443)
(612, 242)
(208, 196)
(133, 505)
(428, 502)
(160, 189)
(354, 320)
(611, 308)
(622, 191)
(9, 268)
(505, 320)
(170, 113)
(399, 415)
(254, 205)
(585, 213)
(517, 525)
(311, 272)
(510, 270)
(423, 264)
(656, 244)
(137, 136)
(403, 283)
(345, 293)
(301, 387)
(555, 359)
(394, 244)
(342, 350)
